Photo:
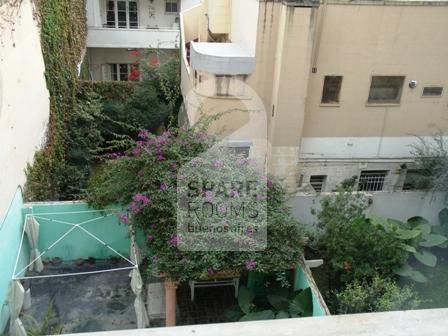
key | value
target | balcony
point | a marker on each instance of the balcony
(221, 58)
(164, 38)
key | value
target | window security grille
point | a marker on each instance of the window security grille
(372, 180)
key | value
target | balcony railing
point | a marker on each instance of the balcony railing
(141, 37)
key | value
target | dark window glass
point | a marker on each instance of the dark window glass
(332, 89)
(124, 72)
(317, 182)
(432, 91)
(386, 89)
(171, 6)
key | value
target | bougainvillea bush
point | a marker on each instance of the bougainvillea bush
(144, 180)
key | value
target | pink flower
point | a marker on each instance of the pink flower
(135, 53)
(211, 270)
(251, 264)
(175, 240)
(144, 134)
(218, 164)
(124, 218)
(209, 196)
(150, 238)
(270, 184)
(153, 226)
(141, 198)
(137, 151)
(163, 186)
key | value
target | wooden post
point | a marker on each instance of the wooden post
(170, 300)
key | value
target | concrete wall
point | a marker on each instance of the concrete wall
(243, 23)
(24, 98)
(397, 205)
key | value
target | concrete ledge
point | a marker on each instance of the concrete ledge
(411, 323)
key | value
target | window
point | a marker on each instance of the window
(372, 180)
(228, 85)
(120, 72)
(332, 88)
(317, 182)
(386, 89)
(172, 6)
(416, 179)
(121, 14)
(432, 91)
(241, 151)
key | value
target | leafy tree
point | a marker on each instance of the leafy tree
(378, 295)
(353, 246)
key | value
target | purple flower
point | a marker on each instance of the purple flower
(211, 270)
(251, 264)
(173, 165)
(124, 218)
(218, 164)
(222, 209)
(160, 157)
(150, 238)
(202, 136)
(175, 240)
(143, 134)
(234, 193)
(137, 151)
(163, 186)
(153, 226)
(270, 184)
(141, 198)
(209, 196)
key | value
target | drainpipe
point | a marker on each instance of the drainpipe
(319, 28)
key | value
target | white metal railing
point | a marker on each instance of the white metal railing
(100, 37)
(173, 28)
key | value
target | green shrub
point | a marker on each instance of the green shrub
(381, 294)
(353, 246)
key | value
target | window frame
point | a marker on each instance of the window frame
(116, 70)
(335, 103)
(322, 184)
(361, 184)
(127, 11)
(389, 102)
(432, 86)
(171, 2)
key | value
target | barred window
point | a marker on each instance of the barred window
(372, 180)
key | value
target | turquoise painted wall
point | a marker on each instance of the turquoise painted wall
(255, 280)
(78, 244)
(10, 234)
(302, 283)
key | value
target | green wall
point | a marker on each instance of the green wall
(302, 282)
(79, 244)
(10, 234)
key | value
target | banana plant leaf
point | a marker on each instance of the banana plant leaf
(405, 234)
(426, 258)
(409, 272)
(432, 240)
(302, 304)
(282, 315)
(278, 302)
(245, 298)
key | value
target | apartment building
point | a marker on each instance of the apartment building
(346, 86)
(117, 28)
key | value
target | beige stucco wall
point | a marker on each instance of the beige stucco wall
(359, 41)
(24, 99)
